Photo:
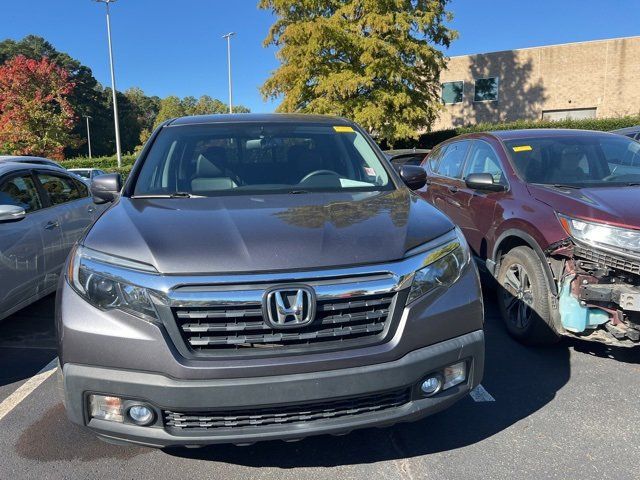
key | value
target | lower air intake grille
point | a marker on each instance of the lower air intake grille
(286, 414)
(608, 260)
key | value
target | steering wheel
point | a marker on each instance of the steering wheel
(318, 172)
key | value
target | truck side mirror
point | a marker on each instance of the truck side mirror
(413, 176)
(106, 188)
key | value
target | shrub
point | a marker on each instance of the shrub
(431, 139)
(106, 163)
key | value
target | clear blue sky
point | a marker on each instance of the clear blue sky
(174, 47)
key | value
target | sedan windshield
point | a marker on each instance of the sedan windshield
(240, 159)
(577, 160)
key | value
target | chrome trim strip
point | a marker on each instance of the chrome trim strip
(203, 298)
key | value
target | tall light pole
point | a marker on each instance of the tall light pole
(228, 37)
(88, 134)
(113, 82)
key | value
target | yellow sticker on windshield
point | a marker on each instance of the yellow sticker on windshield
(522, 148)
(343, 129)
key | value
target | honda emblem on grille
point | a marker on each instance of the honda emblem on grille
(289, 306)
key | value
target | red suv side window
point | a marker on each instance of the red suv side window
(483, 159)
(453, 159)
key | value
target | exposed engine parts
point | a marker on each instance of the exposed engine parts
(599, 292)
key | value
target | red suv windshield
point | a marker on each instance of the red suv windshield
(576, 160)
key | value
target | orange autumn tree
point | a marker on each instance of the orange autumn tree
(36, 117)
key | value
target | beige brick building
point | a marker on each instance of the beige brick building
(578, 80)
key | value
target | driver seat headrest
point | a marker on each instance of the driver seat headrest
(211, 162)
(570, 158)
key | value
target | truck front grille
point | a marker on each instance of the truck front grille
(259, 417)
(242, 327)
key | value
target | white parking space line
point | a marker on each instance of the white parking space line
(13, 400)
(479, 394)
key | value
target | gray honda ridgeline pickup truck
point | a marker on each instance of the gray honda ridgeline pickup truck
(265, 277)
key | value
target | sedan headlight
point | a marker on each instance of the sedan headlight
(89, 275)
(443, 267)
(598, 234)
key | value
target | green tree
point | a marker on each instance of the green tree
(207, 105)
(146, 108)
(189, 104)
(170, 107)
(374, 61)
(239, 109)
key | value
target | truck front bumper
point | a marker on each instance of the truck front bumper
(258, 398)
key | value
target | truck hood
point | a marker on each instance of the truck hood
(613, 205)
(237, 234)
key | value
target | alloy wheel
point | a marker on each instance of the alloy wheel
(518, 296)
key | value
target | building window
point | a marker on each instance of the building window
(486, 89)
(572, 114)
(452, 92)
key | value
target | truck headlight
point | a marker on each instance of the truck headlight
(89, 276)
(598, 234)
(443, 267)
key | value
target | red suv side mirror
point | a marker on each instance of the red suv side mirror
(483, 181)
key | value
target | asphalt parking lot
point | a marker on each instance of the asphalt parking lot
(569, 411)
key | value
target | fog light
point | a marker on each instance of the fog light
(106, 408)
(454, 374)
(141, 414)
(431, 385)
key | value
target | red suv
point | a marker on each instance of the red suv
(554, 215)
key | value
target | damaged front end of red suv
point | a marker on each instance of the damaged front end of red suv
(598, 283)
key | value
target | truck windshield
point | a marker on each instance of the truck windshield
(577, 160)
(241, 159)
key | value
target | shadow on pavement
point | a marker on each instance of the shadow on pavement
(68, 441)
(522, 380)
(27, 341)
(629, 355)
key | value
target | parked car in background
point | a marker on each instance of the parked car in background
(553, 215)
(265, 277)
(410, 156)
(631, 132)
(88, 173)
(31, 160)
(43, 212)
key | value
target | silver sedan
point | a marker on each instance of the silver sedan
(43, 212)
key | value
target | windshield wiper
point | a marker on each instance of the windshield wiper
(562, 185)
(298, 192)
(169, 195)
